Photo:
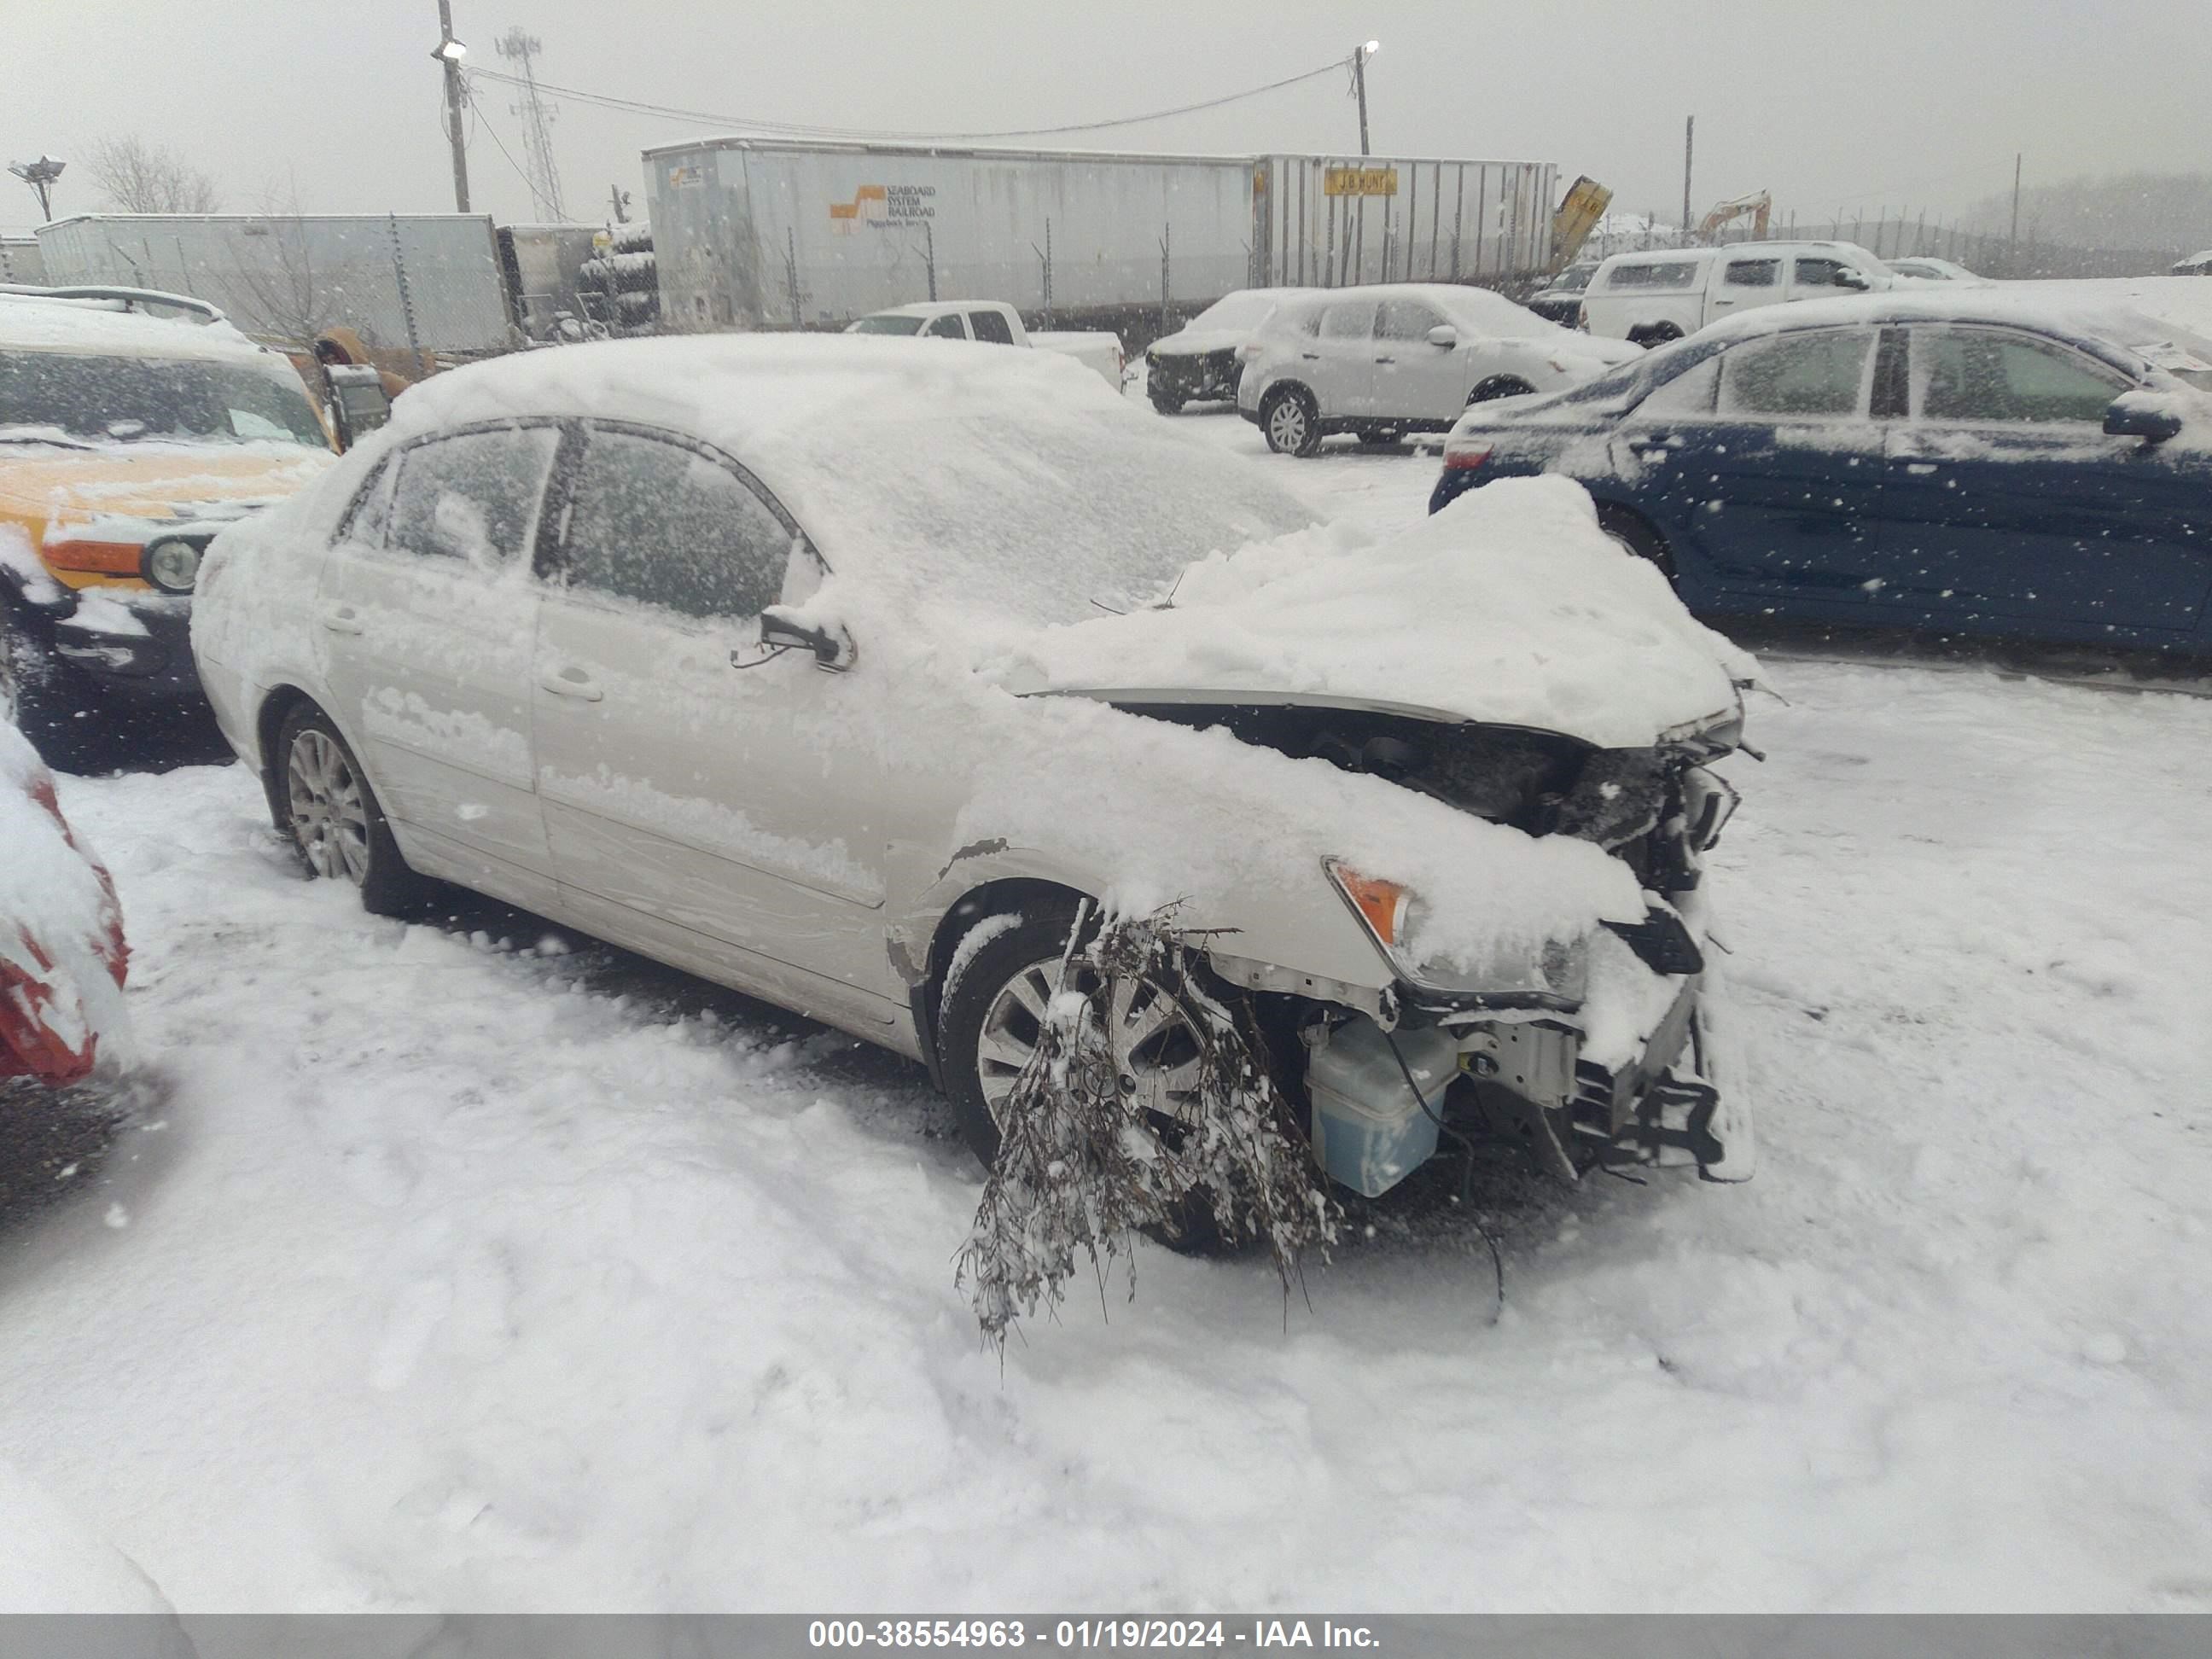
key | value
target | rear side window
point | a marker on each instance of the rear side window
(946, 327)
(1348, 319)
(989, 325)
(1819, 373)
(1989, 377)
(473, 496)
(662, 524)
(1752, 273)
(1407, 319)
(1656, 273)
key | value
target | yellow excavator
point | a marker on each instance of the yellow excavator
(1758, 209)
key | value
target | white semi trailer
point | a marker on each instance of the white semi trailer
(757, 233)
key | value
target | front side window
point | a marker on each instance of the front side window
(991, 326)
(1752, 273)
(473, 496)
(660, 523)
(1407, 319)
(1991, 378)
(1818, 373)
(947, 327)
(1811, 272)
(1348, 319)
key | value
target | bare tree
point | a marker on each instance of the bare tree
(136, 177)
(293, 300)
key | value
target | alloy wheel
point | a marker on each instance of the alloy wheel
(1286, 425)
(330, 815)
(1156, 1052)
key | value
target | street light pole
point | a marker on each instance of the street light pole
(1359, 88)
(449, 53)
(39, 175)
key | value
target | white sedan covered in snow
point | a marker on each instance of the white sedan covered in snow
(850, 675)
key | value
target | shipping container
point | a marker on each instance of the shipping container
(1332, 221)
(542, 266)
(426, 281)
(761, 233)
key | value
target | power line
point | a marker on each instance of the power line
(479, 120)
(802, 129)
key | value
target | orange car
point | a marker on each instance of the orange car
(133, 426)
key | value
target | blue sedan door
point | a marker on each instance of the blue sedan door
(2009, 511)
(1764, 470)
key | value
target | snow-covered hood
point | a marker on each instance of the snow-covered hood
(1510, 607)
(157, 482)
(1197, 342)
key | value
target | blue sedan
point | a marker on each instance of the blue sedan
(1970, 465)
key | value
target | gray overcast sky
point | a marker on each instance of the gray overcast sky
(1831, 104)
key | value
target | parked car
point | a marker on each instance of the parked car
(61, 955)
(996, 323)
(1653, 297)
(1969, 463)
(2197, 265)
(1560, 300)
(1383, 361)
(127, 437)
(560, 634)
(1198, 364)
(1923, 269)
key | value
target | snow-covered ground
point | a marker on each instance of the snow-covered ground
(459, 1272)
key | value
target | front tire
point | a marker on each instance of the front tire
(328, 812)
(1634, 537)
(1166, 402)
(1292, 422)
(1654, 334)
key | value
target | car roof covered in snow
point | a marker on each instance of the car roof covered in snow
(39, 322)
(1480, 309)
(1013, 481)
(2151, 340)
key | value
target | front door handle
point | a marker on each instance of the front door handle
(1920, 469)
(571, 681)
(1386, 360)
(1311, 357)
(342, 619)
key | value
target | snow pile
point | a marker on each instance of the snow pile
(1510, 606)
(51, 1562)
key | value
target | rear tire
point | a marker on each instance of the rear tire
(1633, 536)
(327, 810)
(1291, 421)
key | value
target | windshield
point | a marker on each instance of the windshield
(79, 397)
(1237, 311)
(2186, 356)
(886, 326)
(1574, 279)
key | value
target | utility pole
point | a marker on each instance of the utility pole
(618, 199)
(449, 53)
(1689, 143)
(1359, 88)
(536, 141)
(2013, 240)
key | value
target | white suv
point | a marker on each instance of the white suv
(1384, 361)
(1650, 297)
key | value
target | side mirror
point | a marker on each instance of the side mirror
(354, 395)
(1846, 277)
(783, 628)
(1443, 334)
(2141, 415)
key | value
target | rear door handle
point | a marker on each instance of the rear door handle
(1386, 360)
(342, 619)
(1311, 357)
(571, 681)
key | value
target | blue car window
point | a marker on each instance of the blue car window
(1816, 373)
(1690, 392)
(1989, 378)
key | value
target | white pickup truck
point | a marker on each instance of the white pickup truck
(999, 323)
(1661, 295)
